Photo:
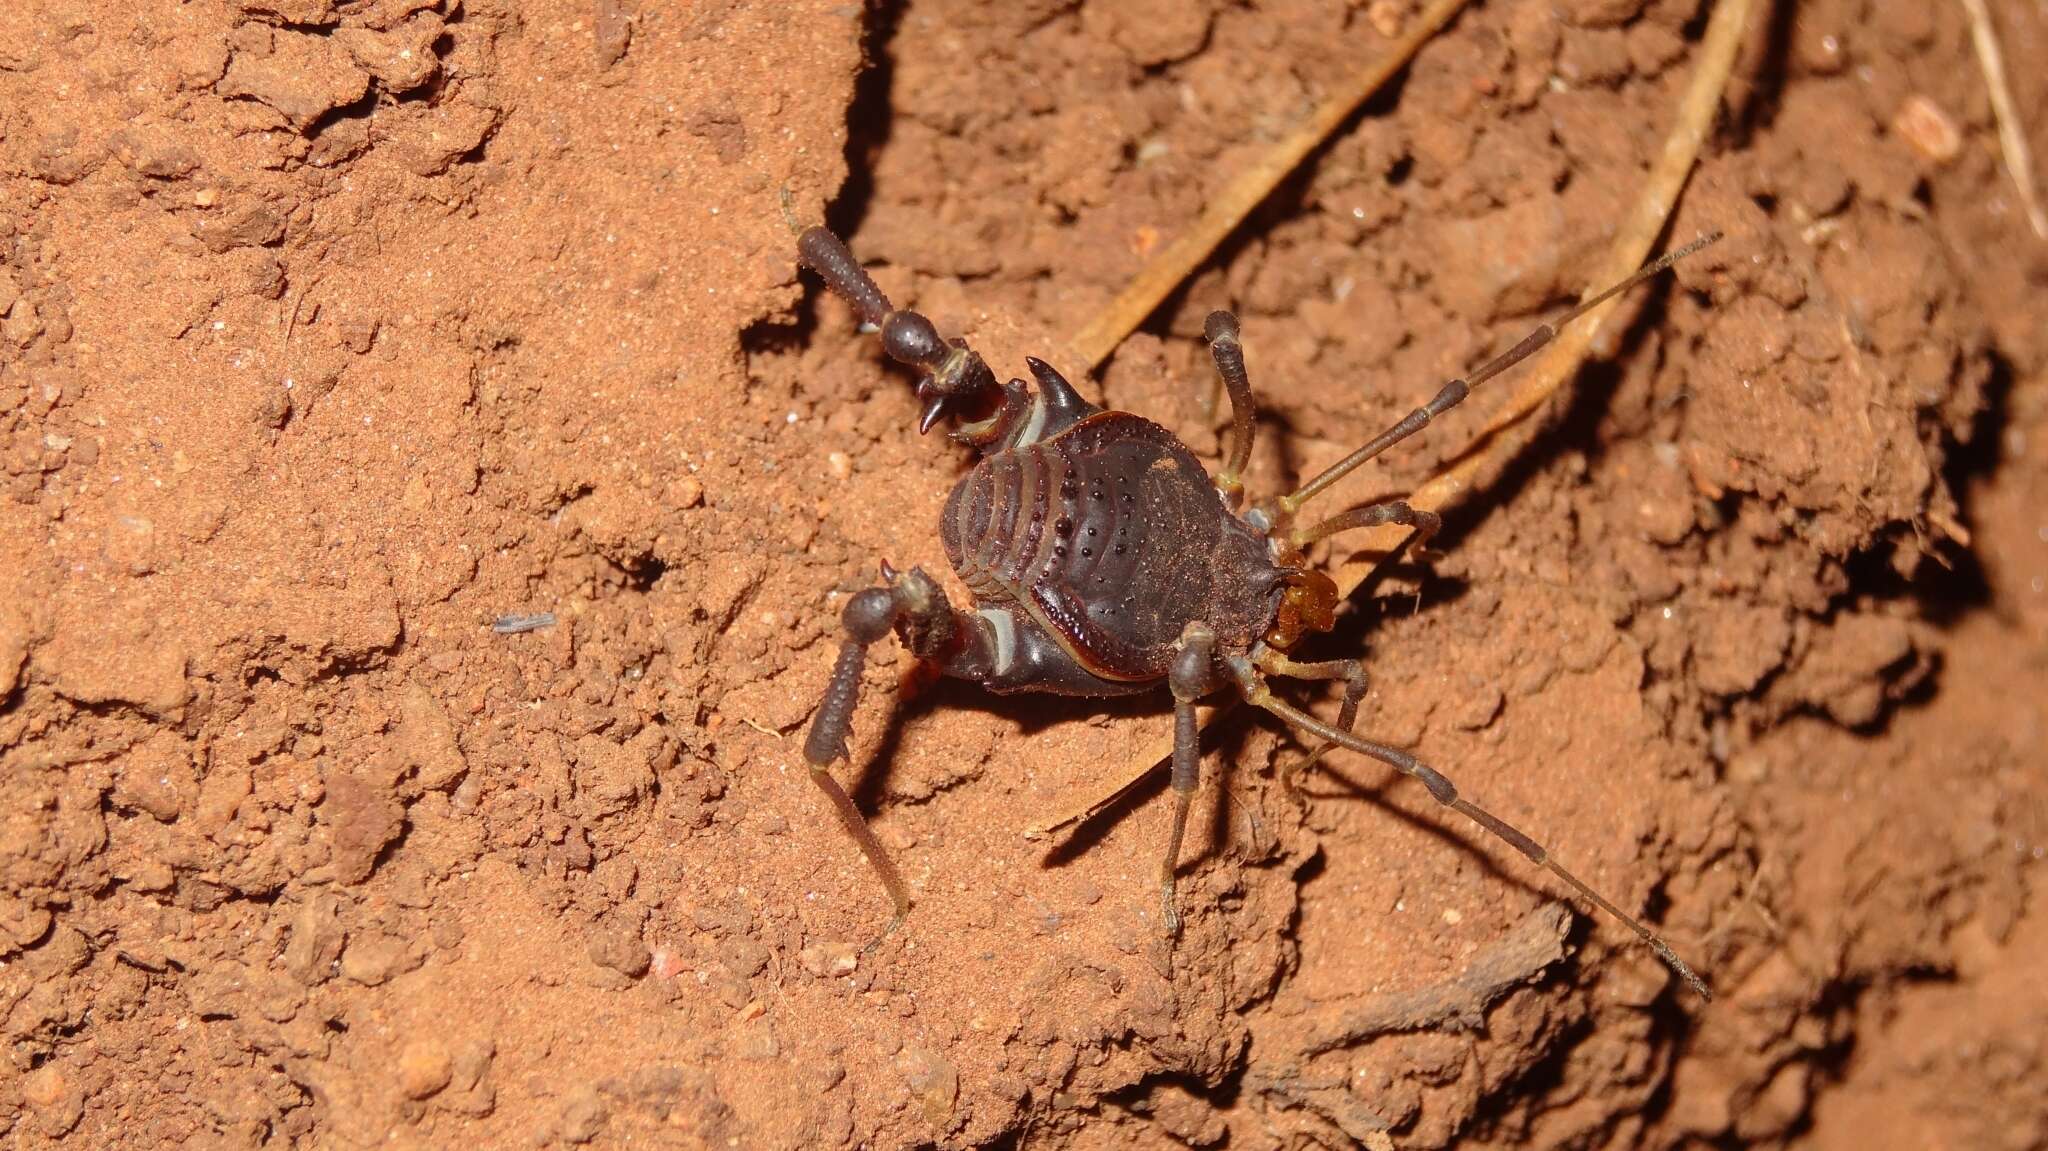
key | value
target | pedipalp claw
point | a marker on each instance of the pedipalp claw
(934, 409)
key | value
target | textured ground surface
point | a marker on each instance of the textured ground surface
(333, 330)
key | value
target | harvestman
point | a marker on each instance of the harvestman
(1104, 560)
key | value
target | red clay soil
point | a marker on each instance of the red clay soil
(336, 330)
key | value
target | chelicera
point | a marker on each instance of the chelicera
(1104, 560)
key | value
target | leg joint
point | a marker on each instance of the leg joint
(1450, 396)
(1440, 788)
(1192, 674)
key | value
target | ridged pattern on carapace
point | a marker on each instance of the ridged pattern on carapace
(1113, 536)
(996, 521)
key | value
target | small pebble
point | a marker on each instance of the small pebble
(934, 1081)
(44, 1088)
(829, 959)
(373, 959)
(1385, 17)
(424, 1068)
(57, 1102)
(1922, 123)
(514, 624)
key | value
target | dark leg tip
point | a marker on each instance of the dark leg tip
(820, 249)
(1220, 326)
(895, 921)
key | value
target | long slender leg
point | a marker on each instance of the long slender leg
(1454, 393)
(931, 630)
(1224, 348)
(868, 618)
(1351, 671)
(1191, 677)
(1426, 524)
(1446, 793)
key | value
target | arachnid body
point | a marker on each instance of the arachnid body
(1105, 560)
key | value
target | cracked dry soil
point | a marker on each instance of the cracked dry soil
(331, 331)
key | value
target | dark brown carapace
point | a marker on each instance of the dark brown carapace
(1105, 560)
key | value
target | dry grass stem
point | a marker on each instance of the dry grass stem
(2012, 136)
(1178, 260)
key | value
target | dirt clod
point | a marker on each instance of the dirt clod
(57, 1101)
(373, 959)
(933, 1082)
(315, 941)
(302, 77)
(583, 1116)
(365, 818)
(620, 952)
